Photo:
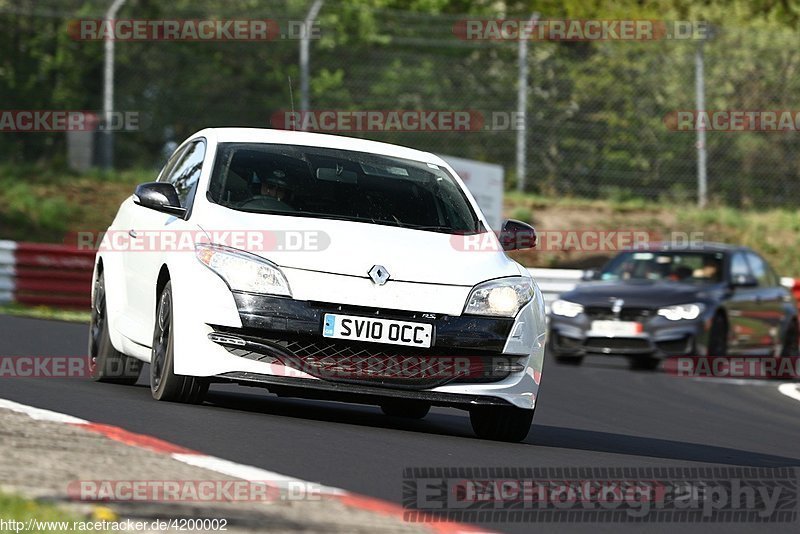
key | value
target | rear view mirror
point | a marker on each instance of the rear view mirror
(589, 275)
(337, 175)
(159, 196)
(517, 235)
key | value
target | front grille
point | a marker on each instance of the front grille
(618, 343)
(625, 314)
(373, 363)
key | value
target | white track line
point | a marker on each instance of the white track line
(218, 465)
(41, 415)
(250, 473)
(790, 390)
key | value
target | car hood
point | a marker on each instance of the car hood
(639, 294)
(353, 248)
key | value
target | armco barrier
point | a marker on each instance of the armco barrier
(52, 275)
(7, 271)
(61, 276)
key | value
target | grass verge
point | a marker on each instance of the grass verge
(18, 514)
(45, 312)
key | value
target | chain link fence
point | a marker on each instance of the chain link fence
(597, 115)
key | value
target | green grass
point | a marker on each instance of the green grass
(45, 312)
(19, 509)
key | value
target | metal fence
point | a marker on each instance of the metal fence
(596, 113)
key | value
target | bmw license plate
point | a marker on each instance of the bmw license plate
(377, 330)
(616, 328)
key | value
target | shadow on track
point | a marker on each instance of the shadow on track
(455, 425)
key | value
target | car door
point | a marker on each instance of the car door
(159, 235)
(745, 326)
(769, 300)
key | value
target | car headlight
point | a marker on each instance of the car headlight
(566, 308)
(243, 271)
(682, 311)
(503, 297)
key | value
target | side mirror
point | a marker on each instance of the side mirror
(588, 275)
(159, 196)
(744, 280)
(517, 235)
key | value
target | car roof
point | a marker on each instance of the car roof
(291, 137)
(705, 246)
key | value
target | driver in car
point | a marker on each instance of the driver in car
(275, 193)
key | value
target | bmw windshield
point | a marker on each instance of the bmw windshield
(668, 266)
(338, 184)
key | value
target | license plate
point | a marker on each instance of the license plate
(616, 328)
(377, 330)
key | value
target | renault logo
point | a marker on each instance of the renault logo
(379, 274)
(616, 306)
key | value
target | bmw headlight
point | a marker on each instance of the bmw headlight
(682, 312)
(243, 271)
(566, 308)
(503, 297)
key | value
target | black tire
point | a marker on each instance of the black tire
(107, 364)
(501, 423)
(564, 359)
(644, 363)
(718, 337)
(561, 358)
(164, 383)
(406, 409)
(791, 341)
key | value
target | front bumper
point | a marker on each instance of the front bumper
(659, 338)
(285, 349)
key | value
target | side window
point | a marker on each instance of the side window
(760, 270)
(185, 172)
(739, 265)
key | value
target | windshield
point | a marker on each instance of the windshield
(671, 266)
(338, 184)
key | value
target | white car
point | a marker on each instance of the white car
(319, 266)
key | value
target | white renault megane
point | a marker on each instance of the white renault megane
(319, 266)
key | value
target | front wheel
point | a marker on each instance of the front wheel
(791, 341)
(644, 363)
(501, 423)
(164, 383)
(106, 363)
(718, 337)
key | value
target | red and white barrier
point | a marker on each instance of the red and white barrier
(51, 275)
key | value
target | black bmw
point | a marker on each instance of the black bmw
(710, 300)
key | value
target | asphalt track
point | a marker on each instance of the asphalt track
(598, 415)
